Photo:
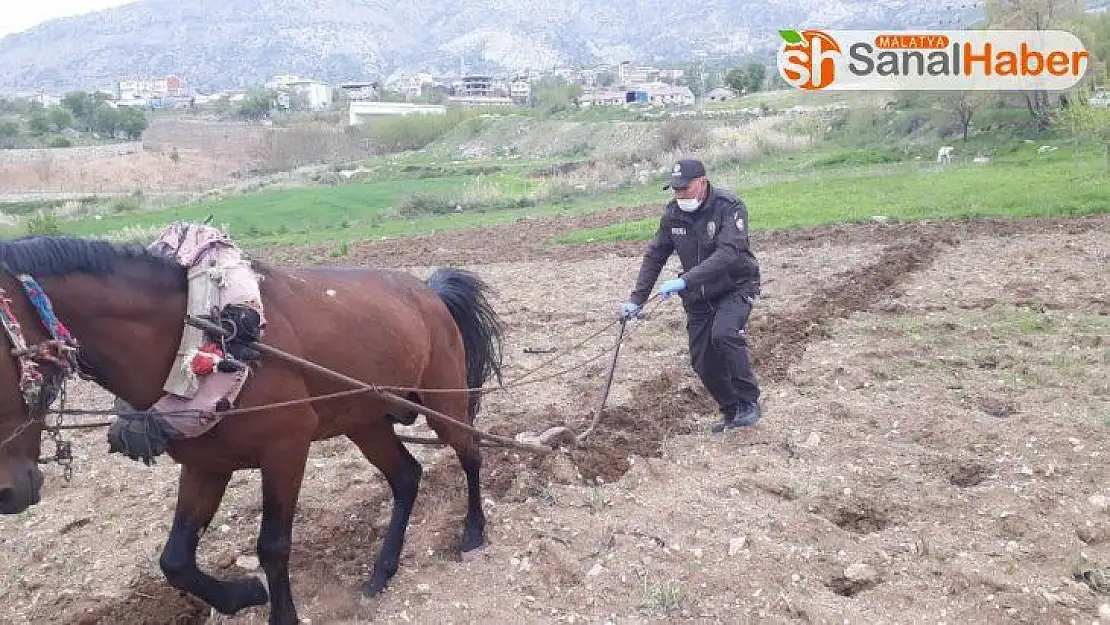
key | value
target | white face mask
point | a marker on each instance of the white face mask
(689, 205)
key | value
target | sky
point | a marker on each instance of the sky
(19, 15)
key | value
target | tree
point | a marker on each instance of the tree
(1033, 15)
(38, 122)
(736, 79)
(257, 104)
(80, 103)
(1094, 31)
(104, 121)
(755, 74)
(339, 100)
(9, 130)
(962, 105)
(132, 122)
(552, 99)
(1085, 122)
(747, 79)
(60, 118)
(606, 79)
(695, 80)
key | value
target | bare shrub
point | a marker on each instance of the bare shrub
(475, 196)
(42, 224)
(282, 149)
(682, 135)
(44, 169)
(413, 132)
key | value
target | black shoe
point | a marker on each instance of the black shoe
(747, 414)
(727, 415)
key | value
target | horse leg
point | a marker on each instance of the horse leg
(198, 498)
(385, 451)
(474, 528)
(469, 454)
(282, 474)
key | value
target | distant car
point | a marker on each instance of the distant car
(1101, 98)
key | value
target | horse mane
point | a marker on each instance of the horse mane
(46, 256)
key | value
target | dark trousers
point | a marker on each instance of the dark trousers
(719, 350)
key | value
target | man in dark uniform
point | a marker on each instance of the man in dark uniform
(708, 228)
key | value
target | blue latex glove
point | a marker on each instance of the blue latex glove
(629, 310)
(670, 287)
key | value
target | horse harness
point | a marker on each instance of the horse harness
(39, 387)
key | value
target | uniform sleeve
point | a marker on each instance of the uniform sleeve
(659, 250)
(732, 242)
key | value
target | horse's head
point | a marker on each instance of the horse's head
(20, 433)
(20, 429)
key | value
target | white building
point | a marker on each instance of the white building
(132, 91)
(360, 91)
(662, 93)
(520, 91)
(316, 95)
(411, 85)
(603, 98)
(362, 112)
(629, 75)
(43, 98)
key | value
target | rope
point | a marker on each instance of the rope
(519, 380)
(370, 388)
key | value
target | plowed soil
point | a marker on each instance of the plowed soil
(935, 405)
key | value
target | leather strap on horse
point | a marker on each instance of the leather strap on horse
(390, 397)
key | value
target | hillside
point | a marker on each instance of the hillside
(226, 43)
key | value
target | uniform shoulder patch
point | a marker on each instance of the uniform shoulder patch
(711, 229)
(739, 217)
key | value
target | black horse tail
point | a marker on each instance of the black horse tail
(464, 293)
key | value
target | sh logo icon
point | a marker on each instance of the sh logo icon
(807, 59)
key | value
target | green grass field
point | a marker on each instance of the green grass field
(815, 188)
(1018, 185)
(309, 215)
(873, 163)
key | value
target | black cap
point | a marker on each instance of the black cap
(683, 172)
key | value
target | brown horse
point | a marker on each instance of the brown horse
(125, 307)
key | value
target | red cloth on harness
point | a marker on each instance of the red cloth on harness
(205, 360)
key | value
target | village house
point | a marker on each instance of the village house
(152, 92)
(655, 93)
(475, 85)
(45, 99)
(662, 93)
(606, 97)
(520, 91)
(629, 75)
(316, 95)
(480, 90)
(672, 75)
(411, 86)
(356, 91)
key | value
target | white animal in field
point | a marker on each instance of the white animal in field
(981, 160)
(944, 154)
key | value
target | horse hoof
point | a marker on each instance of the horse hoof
(472, 541)
(242, 593)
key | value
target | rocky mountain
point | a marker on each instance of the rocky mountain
(216, 44)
